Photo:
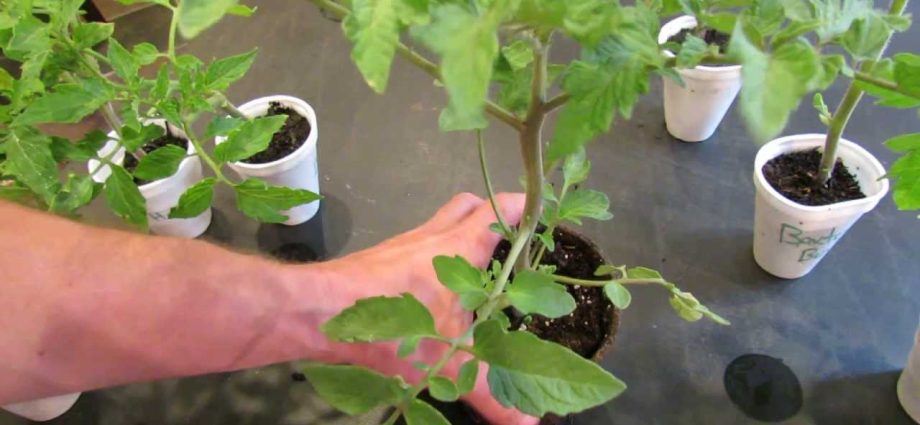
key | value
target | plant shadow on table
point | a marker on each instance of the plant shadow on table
(320, 238)
(864, 399)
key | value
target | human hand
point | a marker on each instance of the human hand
(404, 264)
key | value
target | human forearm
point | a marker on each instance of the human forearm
(85, 307)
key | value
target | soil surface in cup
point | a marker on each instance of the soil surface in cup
(130, 162)
(293, 134)
(793, 175)
(585, 331)
(710, 36)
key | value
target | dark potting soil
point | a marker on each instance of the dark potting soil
(130, 162)
(285, 141)
(793, 175)
(585, 331)
(710, 36)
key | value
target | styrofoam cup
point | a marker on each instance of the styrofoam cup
(693, 112)
(44, 409)
(298, 170)
(161, 195)
(909, 382)
(790, 238)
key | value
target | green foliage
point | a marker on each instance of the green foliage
(618, 295)
(466, 378)
(381, 319)
(196, 16)
(539, 377)
(373, 27)
(443, 389)
(124, 198)
(774, 83)
(461, 277)
(421, 413)
(249, 138)
(262, 202)
(195, 200)
(351, 389)
(467, 45)
(224, 72)
(67, 103)
(906, 170)
(160, 163)
(532, 292)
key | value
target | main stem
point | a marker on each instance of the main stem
(531, 145)
(845, 110)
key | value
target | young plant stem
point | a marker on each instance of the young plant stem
(426, 65)
(845, 109)
(506, 231)
(199, 150)
(531, 145)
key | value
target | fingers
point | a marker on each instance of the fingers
(454, 211)
(511, 205)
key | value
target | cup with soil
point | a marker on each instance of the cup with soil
(290, 159)
(796, 222)
(693, 112)
(589, 330)
(163, 194)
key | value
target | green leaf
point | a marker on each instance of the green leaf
(223, 72)
(906, 174)
(68, 103)
(462, 278)
(585, 203)
(519, 54)
(467, 45)
(547, 240)
(249, 139)
(30, 36)
(89, 34)
(797, 10)
(421, 413)
(690, 309)
(196, 16)
(443, 389)
(6, 80)
(195, 200)
(722, 22)
(264, 203)
(684, 309)
(642, 273)
(160, 163)
(29, 159)
(692, 51)
(837, 16)
(76, 193)
(774, 84)
(466, 378)
(576, 167)
(866, 37)
(124, 198)
(609, 80)
(222, 126)
(618, 295)
(408, 346)
(123, 62)
(353, 389)
(907, 73)
(241, 10)
(373, 28)
(161, 85)
(539, 377)
(824, 114)
(793, 31)
(133, 138)
(830, 68)
(532, 292)
(904, 142)
(145, 53)
(381, 319)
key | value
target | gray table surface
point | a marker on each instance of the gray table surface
(686, 209)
